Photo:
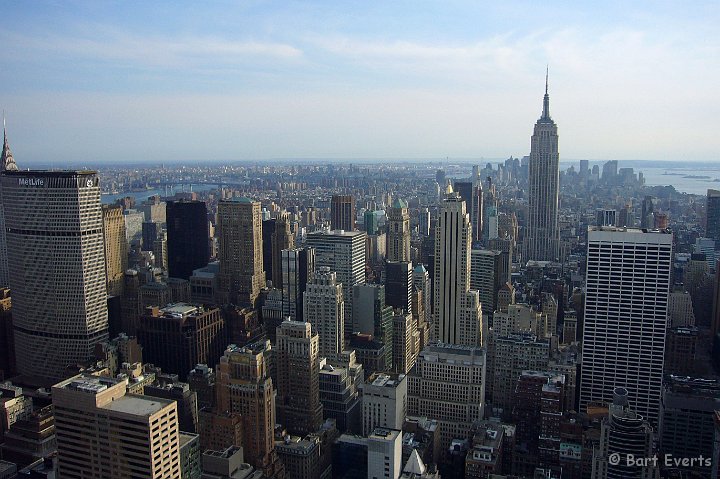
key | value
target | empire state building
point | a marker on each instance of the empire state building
(542, 238)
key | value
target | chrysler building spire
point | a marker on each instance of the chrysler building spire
(7, 162)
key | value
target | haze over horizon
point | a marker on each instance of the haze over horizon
(107, 82)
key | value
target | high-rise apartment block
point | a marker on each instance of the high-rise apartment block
(324, 308)
(298, 372)
(56, 258)
(104, 432)
(398, 232)
(542, 239)
(344, 253)
(457, 312)
(239, 232)
(188, 244)
(448, 384)
(342, 212)
(116, 248)
(180, 336)
(627, 287)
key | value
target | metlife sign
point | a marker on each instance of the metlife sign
(31, 181)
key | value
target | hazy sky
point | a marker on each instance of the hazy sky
(156, 81)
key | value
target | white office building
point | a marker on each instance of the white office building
(626, 304)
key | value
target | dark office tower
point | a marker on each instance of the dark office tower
(398, 284)
(342, 212)
(116, 248)
(606, 217)
(186, 399)
(188, 244)
(239, 233)
(712, 229)
(374, 318)
(440, 178)
(268, 231)
(56, 259)
(178, 337)
(150, 233)
(471, 193)
(542, 240)
(398, 232)
(647, 220)
(298, 366)
(624, 217)
(297, 266)
(282, 238)
(7, 163)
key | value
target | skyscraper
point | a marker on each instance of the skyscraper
(56, 260)
(298, 364)
(282, 238)
(472, 193)
(116, 249)
(374, 317)
(7, 163)
(457, 310)
(489, 270)
(398, 232)
(188, 245)
(297, 267)
(542, 238)
(244, 386)
(344, 253)
(239, 230)
(712, 225)
(626, 299)
(324, 308)
(342, 212)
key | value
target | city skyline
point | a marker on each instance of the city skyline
(97, 83)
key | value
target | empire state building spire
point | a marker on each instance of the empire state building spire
(546, 98)
(7, 162)
(542, 237)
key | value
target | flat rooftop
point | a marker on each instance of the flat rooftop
(137, 405)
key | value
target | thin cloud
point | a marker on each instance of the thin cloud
(155, 51)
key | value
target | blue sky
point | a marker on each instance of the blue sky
(157, 81)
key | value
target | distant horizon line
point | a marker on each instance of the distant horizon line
(360, 160)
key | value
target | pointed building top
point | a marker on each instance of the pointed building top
(546, 99)
(7, 162)
(415, 464)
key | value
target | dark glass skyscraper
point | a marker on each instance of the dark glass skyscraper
(712, 230)
(188, 242)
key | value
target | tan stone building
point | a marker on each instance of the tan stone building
(104, 432)
(239, 233)
(116, 248)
